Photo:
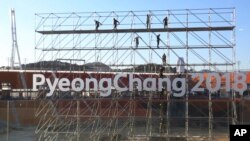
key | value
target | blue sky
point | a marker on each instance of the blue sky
(26, 9)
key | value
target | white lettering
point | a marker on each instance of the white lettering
(77, 84)
(181, 87)
(131, 83)
(105, 91)
(88, 81)
(116, 85)
(38, 79)
(51, 87)
(237, 132)
(240, 82)
(209, 82)
(197, 88)
(135, 82)
(166, 84)
(64, 84)
(149, 84)
(243, 131)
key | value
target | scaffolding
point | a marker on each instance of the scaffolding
(205, 38)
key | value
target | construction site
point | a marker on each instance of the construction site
(96, 55)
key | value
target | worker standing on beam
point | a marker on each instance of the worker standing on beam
(158, 40)
(148, 22)
(115, 23)
(165, 22)
(137, 41)
(97, 24)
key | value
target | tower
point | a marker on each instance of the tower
(14, 41)
(15, 48)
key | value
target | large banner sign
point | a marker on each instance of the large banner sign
(176, 85)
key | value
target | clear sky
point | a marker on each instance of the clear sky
(26, 9)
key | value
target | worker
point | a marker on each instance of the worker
(137, 41)
(115, 23)
(164, 60)
(161, 72)
(165, 22)
(97, 24)
(158, 40)
(148, 21)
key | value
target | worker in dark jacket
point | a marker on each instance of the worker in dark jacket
(137, 41)
(115, 23)
(97, 24)
(148, 22)
(165, 22)
(164, 59)
(158, 40)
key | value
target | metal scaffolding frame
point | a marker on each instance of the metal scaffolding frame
(204, 37)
